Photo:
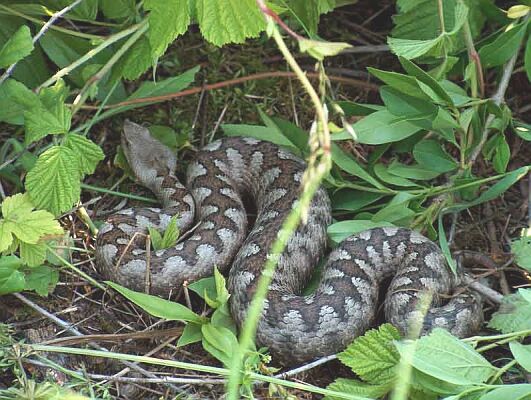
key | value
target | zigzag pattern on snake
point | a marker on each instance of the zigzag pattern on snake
(294, 327)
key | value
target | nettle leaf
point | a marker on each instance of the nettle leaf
(53, 184)
(89, 154)
(229, 21)
(27, 225)
(17, 47)
(504, 47)
(42, 279)
(412, 48)
(514, 313)
(373, 356)
(167, 20)
(447, 358)
(158, 307)
(522, 354)
(11, 279)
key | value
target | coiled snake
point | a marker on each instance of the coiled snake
(294, 327)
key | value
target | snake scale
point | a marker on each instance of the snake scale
(294, 327)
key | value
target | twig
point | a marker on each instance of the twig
(232, 82)
(497, 98)
(41, 32)
(306, 367)
(70, 328)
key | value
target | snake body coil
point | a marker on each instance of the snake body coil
(295, 327)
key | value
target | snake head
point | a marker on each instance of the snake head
(147, 157)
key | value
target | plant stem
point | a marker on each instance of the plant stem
(39, 34)
(11, 11)
(440, 9)
(318, 167)
(186, 366)
(119, 194)
(106, 43)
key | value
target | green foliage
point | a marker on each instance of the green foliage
(521, 249)
(168, 239)
(514, 314)
(17, 47)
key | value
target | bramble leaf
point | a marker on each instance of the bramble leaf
(514, 313)
(53, 184)
(167, 20)
(229, 21)
(88, 152)
(373, 356)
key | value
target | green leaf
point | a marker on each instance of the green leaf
(383, 127)
(522, 354)
(412, 48)
(503, 48)
(403, 83)
(411, 171)
(191, 334)
(521, 249)
(373, 356)
(156, 238)
(520, 391)
(27, 225)
(222, 294)
(348, 164)
(353, 200)
(18, 93)
(89, 154)
(33, 254)
(171, 234)
(402, 105)
(502, 154)
(527, 59)
(136, 61)
(11, 279)
(429, 153)
(457, 362)
(42, 279)
(205, 287)
(381, 172)
(494, 191)
(158, 307)
(17, 47)
(396, 210)
(220, 342)
(53, 184)
(320, 49)
(230, 21)
(437, 89)
(167, 20)
(514, 314)
(259, 132)
(339, 231)
(151, 89)
(222, 317)
(6, 236)
(357, 388)
(117, 9)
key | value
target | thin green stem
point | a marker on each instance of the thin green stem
(77, 270)
(80, 99)
(502, 370)
(440, 10)
(119, 194)
(186, 366)
(109, 41)
(11, 11)
(318, 167)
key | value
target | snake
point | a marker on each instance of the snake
(210, 210)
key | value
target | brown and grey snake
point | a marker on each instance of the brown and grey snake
(294, 327)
